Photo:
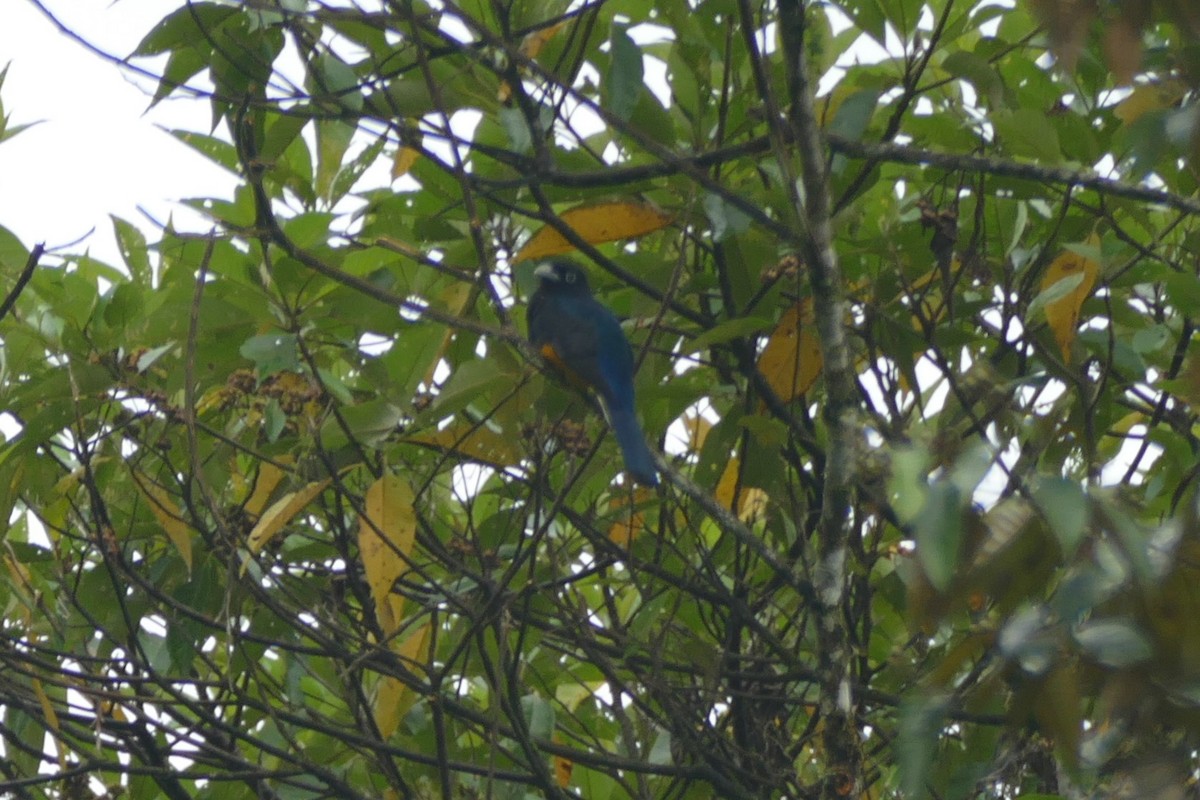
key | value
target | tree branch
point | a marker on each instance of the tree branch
(904, 154)
(840, 735)
(26, 273)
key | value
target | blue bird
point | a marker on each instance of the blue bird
(583, 339)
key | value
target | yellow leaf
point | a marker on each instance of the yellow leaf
(632, 522)
(1123, 48)
(1063, 313)
(281, 512)
(751, 501)
(412, 648)
(602, 222)
(932, 275)
(48, 711)
(531, 46)
(50, 715)
(17, 570)
(215, 397)
(833, 101)
(791, 361)
(404, 160)
(1187, 384)
(67, 483)
(385, 541)
(399, 246)
(697, 428)
(169, 516)
(1151, 97)
(26, 595)
(563, 767)
(533, 42)
(393, 698)
(388, 693)
(265, 484)
(455, 298)
(1126, 422)
(475, 441)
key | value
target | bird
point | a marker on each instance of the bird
(582, 339)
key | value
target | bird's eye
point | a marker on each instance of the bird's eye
(569, 277)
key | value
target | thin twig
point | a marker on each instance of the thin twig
(1085, 179)
(189, 387)
(26, 273)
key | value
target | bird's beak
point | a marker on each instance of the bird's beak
(546, 272)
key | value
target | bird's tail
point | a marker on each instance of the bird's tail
(639, 462)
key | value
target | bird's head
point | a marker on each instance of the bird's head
(560, 275)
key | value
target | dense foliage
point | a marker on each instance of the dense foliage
(291, 510)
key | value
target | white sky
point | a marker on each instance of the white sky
(98, 151)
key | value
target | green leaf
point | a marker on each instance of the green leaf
(908, 484)
(1026, 639)
(191, 23)
(976, 69)
(1026, 132)
(309, 230)
(13, 254)
(274, 420)
(181, 646)
(9, 131)
(727, 220)
(148, 358)
(514, 124)
(1057, 709)
(27, 735)
(1064, 506)
(218, 151)
(350, 173)
(921, 718)
(1056, 291)
(767, 431)
(660, 752)
(624, 80)
(369, 423)
(1183, 289)
(272, 352)
(411, 359)
(1116, 643)
(470, 382)
(1151, 339)
(727, 331)
(539, 715)
(939, 529)
(335, 83)
(281, 132)
(854, 114)
(133, 249)
(333, 139)
(971, 467)
(182, 66)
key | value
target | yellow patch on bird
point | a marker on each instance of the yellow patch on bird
(552, 357)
